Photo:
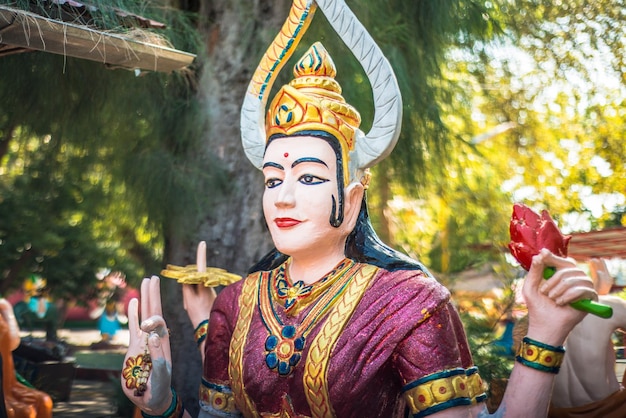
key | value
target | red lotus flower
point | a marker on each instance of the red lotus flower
(531, 232)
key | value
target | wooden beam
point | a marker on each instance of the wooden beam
(607, 243)
(28, 30)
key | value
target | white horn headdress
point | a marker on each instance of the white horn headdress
(313, 100)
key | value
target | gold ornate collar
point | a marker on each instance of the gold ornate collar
(285, 341)
(294, 297)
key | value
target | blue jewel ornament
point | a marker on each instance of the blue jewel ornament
(288, 332)
(271, 342)
(293, 360)
(284, 369)
(284, 352)
(271, 359)
(298, 343)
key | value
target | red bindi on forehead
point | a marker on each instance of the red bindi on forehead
(286, 154)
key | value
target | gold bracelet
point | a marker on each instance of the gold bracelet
(201, 331)
(540, 356)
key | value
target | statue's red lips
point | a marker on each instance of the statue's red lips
(286, 222)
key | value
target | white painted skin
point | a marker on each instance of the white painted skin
(300, 185)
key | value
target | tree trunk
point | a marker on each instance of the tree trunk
(383, 187)
(236, 33)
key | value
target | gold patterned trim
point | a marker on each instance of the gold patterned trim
(285, 343)
(296, 296)
(540, 356)
(443, 390)
(300, 17)
(235, 365)
(218, 398)
(316, 367)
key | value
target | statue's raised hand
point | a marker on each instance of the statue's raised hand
(147, 371)
(198, 299)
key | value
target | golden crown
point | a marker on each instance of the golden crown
(312, 101)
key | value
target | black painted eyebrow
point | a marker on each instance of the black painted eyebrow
(308, 160)
(275, 165)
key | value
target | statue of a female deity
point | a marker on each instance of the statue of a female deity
(333, 323)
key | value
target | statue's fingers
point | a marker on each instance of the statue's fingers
(535, 273)
(575, 286)
(145, 298)
(155, 297)
(577, 293)
(133, 320)
(554, 260)
(157, 308)
(201, 257)
(155, 325)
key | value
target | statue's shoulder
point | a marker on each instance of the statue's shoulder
(412, 286)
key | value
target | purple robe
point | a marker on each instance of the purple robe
(401, 344)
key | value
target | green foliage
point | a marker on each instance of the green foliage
(98, 165)
(530, 110)
(557, 74)
(481, 334)
(45, 222)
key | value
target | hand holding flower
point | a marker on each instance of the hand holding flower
(530, 233)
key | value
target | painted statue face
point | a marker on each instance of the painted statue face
(300, 188)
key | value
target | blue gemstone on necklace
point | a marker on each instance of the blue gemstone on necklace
(271, 342)
(288, 332)
(284, 368)
(271, 359)
(298, 343)
(294, 359)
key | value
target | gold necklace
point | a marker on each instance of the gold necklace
(285, 343)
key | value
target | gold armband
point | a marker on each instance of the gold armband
(201, 331)
(540, 356)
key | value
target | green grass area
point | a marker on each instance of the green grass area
(91, 359)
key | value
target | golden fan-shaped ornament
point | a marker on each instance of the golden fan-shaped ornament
(212, 277)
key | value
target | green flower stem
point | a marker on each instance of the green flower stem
(585, 305)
